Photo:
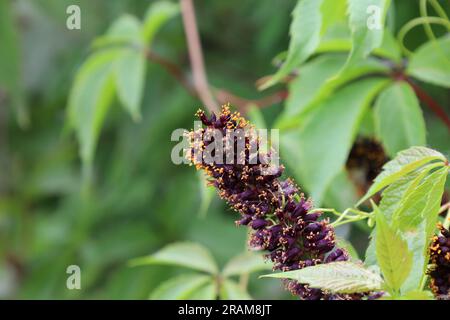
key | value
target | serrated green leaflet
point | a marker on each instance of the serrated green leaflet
(418, 244)
(338, 277)
(393, 255)
(422, 202)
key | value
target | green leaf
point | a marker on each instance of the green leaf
(422, 203)
(319, 80)
(206, 194)
(370, 256)
(129, 65)
(418, 243)
(392, 196)
(337, 39)
(333, 13)
(10, 64)
(405, 162)
(185, 254)
(398, 118)
(130, 76)
(417, 295)
(393, 256)
(389, 47)
(364, 39)
(245, 263)
(90, 98)
(230, 290)
(305, 35)
(179, 288)
(338, 277)
(431, 62)
(207, 292)
(332, 126)
(157, 14)
(126, 27)
(306, 86)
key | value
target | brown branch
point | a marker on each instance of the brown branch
(429, 101)
(196, 56)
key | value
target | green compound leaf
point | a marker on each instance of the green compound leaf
(184, 254)
(338, 277)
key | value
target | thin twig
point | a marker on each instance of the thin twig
(196, 56)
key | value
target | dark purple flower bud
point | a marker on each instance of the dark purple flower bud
(290, 206)
(292, 253)
(258, 223)
(299, 210)
(324, 245)
(246, 218)
(313, 227)
(336, 255)
(311, 216)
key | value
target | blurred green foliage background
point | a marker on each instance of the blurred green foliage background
(139, 200)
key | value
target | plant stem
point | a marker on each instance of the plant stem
(196, 56)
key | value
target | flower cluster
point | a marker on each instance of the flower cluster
(282, 220)
(440, 260)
